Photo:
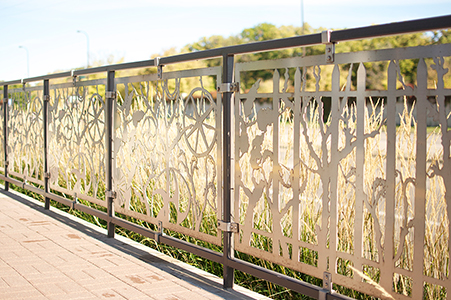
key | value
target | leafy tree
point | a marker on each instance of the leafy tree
(377, 71)
(442, 37)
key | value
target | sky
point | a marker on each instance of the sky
(136, 29)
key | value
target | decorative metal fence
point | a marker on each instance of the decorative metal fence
(311, 170)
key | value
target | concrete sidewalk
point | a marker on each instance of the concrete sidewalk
(53, 255)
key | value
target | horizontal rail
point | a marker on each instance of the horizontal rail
(197, 250)
(164, 239)
(71, 203)
(246, 267)
(427, 24)
(291, 283)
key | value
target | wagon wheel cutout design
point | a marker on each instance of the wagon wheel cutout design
(199, 134)
(66, 125)
(96, 124)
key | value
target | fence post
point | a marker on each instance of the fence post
(227, 77)
(5, 131)
(110, 97)
(46, 99)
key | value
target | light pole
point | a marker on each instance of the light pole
(87, 46)
(28, 60)
(303, 24)
(302, 16)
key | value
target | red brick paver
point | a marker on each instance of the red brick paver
(53, 255)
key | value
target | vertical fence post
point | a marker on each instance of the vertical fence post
(227, 77)
(109, 102)
(46, 99)
(5, 131)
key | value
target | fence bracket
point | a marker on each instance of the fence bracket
(74, 77)
(111, 194)
(75, 201)
(46, 98)
(156, 63)
(327, 281)
(110, 95)
(330, 47)
(160, 232)
(327, 286)
(228, 227)
(228, 87)
(47, 175)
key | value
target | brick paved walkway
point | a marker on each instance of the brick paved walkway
(53, 255)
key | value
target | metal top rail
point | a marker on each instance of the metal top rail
(428, 24)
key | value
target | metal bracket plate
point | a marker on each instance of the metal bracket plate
(74, 77)
(330, 47)
(46, 98)
(330, 53)
(160, 232)
(327, 281)
(156, 63)
(327, 286)
(228, 87)
(325, 36)
(47, 175)
(228, 227)
(110, 95)
(111, 194)
(75, 201)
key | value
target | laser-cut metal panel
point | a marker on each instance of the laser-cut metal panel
(336, 171)
(26, 138)
(77, 139)
(2, 146)
(167, 151)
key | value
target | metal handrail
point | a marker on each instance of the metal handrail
(227, 54)
(427, 24)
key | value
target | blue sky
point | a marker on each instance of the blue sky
(136, 29)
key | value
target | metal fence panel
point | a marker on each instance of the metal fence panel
(336, 173)
(77, 140)
(26, 139)
(167, 151)
(2, 128)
